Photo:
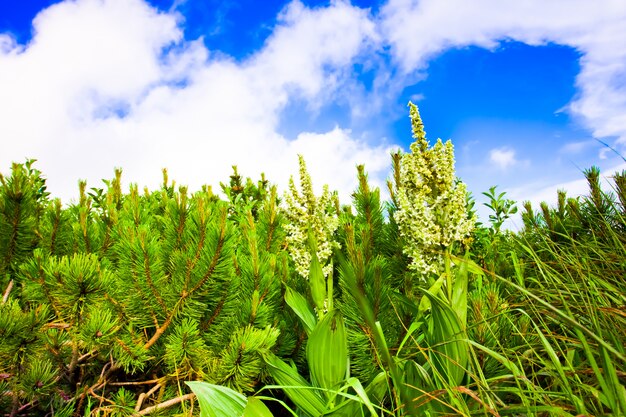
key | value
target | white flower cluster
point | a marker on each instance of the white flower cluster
(432, 211)
(304, 211)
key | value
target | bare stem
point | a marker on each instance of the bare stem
(165, 404)
(119, 384)
(5, 298)
(145, 395)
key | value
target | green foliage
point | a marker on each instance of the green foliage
(159, 286)
(502, 208)
(110, 304)
(241, 362)
(217, 401)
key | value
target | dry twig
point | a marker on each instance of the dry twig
(165, 404)
(5, 298)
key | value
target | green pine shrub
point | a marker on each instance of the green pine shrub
(153, 288)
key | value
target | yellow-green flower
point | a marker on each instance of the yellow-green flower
(432, 211)
(304, 210)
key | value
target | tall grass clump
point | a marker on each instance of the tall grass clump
(574, 268)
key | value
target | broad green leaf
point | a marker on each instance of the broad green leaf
(446, 338)
(459, 291)
(317, 283)
(256, 408)
(378, 387)
(327, 352)
(417, 377)
(434, 290)
(217, 401)
(305, 397)
(301, 307)
(418, 380)
(472, 267)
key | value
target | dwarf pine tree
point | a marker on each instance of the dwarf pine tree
(366, 272)
(151, 287)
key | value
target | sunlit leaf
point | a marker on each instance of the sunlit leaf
(217, 401)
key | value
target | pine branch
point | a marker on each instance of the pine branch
(160, 330)
(135, 279)
(14, 234)
(216, 256)
(186, 294)
(146, 264)
(55, 226)
(216, 312)
(200, 246)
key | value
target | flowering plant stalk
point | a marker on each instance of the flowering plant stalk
(432, 205)
(312, 221)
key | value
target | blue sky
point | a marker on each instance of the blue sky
(523, 90)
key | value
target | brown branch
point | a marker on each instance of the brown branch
(107, 370)
(165, 325)
(86, 356)
(26, 406)
(56, 326)
(121, 384)
(5, 298)
(145, 395)
(16, 406)
(99, 397)
(165, 404)
(74, 360)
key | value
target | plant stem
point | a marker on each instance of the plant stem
(165, 404)
(5, 298)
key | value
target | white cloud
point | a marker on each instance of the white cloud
(94, 89)
(579, 187)
(503, 158)
(107, 83)
(576, 147)
(419, 30)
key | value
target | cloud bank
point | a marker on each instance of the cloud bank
(113, 83)
(107, 83)
(419, 30)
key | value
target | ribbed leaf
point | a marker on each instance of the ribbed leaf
(256, 408)
(217, 401)
(459, 291)
(327, 352)
(445, 335)
(424, 305)
(317, 283)
(305, 397)
(301, 307)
